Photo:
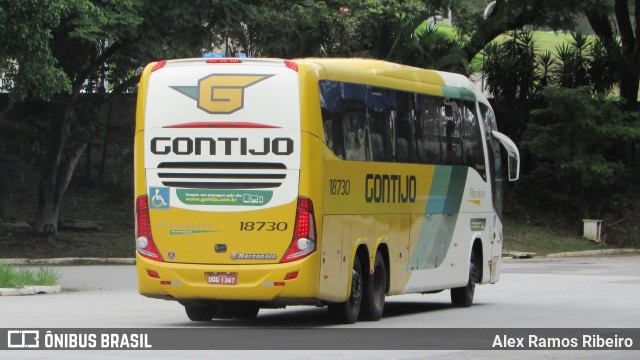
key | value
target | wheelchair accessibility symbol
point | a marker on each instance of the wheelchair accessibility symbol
(159, 198)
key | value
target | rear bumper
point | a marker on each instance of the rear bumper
(264, 282)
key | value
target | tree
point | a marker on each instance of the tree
(381, 29)
(516, 74)
(338, 28)
(600, 15)
(560, 14)
(432, 49)
(513, 15)
(286, 29)
(572, 142)
(27, 63)
(388, 27)
(510, 69)
(54, 51)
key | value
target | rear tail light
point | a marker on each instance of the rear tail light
(304, 233)
(159, 65)
(144, 239)
(291, 65)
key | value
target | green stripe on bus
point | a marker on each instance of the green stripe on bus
(456, 189)
(446, 191)
(439, 223)
(458, 93)
(439, 189)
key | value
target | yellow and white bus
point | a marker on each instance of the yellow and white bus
(262, 183)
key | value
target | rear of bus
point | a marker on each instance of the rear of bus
(220, 210)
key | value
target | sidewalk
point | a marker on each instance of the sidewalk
(602, 252)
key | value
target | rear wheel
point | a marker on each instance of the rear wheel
(374, 291)
(200, 312)
(463, 296)
(243, 310)
(347, 312)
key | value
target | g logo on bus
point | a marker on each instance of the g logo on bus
(221, 93)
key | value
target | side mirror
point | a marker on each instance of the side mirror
(512, 151)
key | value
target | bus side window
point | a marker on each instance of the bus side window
(494, 156)
(353, 119)
(473, 151)
(452, 132)
(381, 105)
(405, 133)
(353, 124)
(427, 127)
(331, 109)
(333, 133)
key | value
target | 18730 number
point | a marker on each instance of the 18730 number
(339, 187)
(262, 226)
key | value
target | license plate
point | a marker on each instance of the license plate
(218, 278)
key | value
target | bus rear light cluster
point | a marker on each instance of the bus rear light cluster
(159, 65)
(304, 234)
(144, 239)
(291, 65)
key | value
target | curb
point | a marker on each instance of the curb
(516, 255)
(595, 253)
(31, 290)
(71, 261)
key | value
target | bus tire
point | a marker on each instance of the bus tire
(242, 311)
(248, 312)
(374, 291)
(347, 312)
(463, 296)
(200, 312)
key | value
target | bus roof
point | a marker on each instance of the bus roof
(452, 84)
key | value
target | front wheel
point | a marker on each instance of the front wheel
(347, 312)
(463, 296)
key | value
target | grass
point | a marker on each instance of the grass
(18, 278)
(522, 237)
(545, 40)
(549, 41)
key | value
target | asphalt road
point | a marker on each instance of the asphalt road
(599, 292)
